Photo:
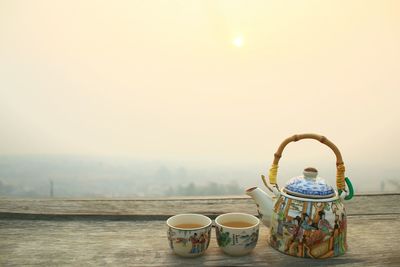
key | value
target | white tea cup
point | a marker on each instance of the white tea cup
(237, 233)
(189, 234)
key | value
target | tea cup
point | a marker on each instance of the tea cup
(237, 233)
(189, 234)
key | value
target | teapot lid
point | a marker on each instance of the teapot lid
(309, 185)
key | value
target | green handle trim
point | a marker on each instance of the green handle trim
(351, 189)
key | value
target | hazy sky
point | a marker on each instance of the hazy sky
(165, 80)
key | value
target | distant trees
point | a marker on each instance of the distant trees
(210, 189)
(11, 190)
(4, 188)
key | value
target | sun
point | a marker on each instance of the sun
(238, 41)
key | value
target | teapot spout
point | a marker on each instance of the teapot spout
(264, 204)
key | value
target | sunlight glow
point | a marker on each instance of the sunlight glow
(238, 41)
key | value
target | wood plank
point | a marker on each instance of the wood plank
(372, 240)
(161, 209)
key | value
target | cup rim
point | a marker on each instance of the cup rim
(237, 228)
(189, 229)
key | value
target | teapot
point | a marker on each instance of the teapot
(306, 217)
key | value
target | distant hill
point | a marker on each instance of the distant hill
(78, 176)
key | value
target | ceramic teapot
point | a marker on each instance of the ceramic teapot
(307, 217)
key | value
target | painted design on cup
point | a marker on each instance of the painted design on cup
(197, 240)
(224, 238)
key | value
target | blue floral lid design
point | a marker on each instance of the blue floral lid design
(309, 185)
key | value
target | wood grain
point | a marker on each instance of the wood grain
(372, 242)
(163, 208)
(140, 240)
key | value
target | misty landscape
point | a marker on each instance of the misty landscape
(98, 177)
(186, 98)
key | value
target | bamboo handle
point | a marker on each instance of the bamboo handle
(340, 169)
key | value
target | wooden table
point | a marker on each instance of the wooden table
(54, 232)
